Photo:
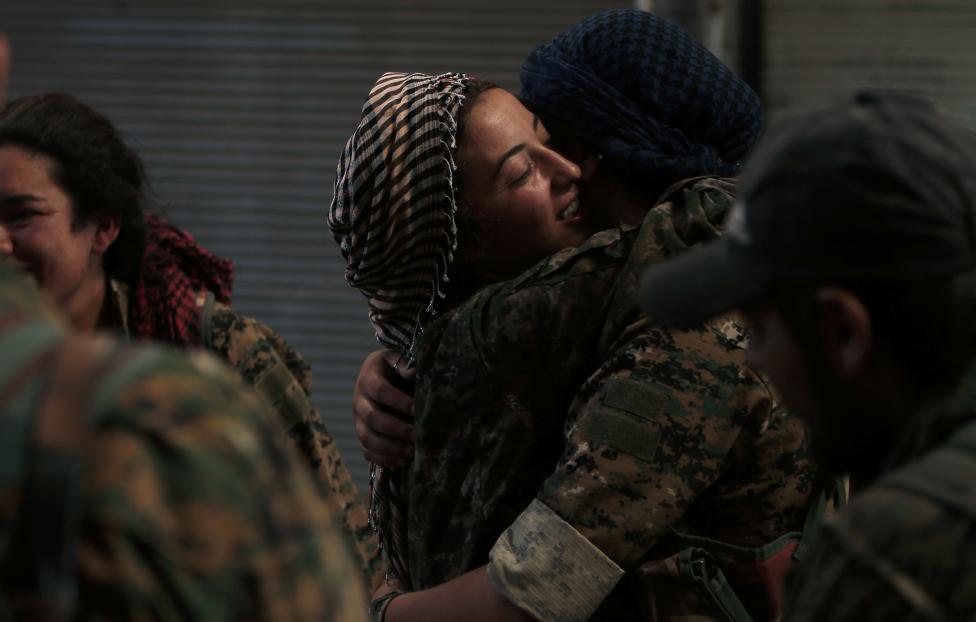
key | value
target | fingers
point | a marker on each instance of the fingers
(383, 393)
(385, 438)
(382, 422)
(378, 382)
(382, 450)
(395, 363)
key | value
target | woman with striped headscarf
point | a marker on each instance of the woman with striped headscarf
(561, 440)
(395, 212)
(637, 102)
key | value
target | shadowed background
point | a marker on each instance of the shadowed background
(241, 107)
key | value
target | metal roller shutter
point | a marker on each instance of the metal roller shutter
(240, 109)
(820, 51)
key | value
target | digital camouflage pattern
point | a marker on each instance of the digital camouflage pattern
(565, 587)
(257, 353)
(686, 439)
(905, 548)
(190, 505)
(266, 361)
(551, 386)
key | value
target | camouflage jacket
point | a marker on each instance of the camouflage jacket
(905, 548)
(146, 485)
(266, 361)
(579, 447)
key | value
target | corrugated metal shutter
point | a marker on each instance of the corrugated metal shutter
(240, 109)
(817, 52)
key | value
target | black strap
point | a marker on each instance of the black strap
(711, 585)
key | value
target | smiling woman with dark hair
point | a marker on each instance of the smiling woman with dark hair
(419, 163)
(72, 203)
(73, 216)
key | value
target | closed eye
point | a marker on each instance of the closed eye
(525, 175)
(19, 215)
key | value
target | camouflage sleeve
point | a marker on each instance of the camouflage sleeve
(562, 293)
(646, 435)
(522, 567)
(194, 509)
(266, 361)
(887, 556)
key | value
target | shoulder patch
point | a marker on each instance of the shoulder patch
(621, 432)
(623, 422)
(636, 398)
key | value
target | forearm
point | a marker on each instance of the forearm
(470, 597)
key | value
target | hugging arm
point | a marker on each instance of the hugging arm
(646, 435)
(382, 407)
(470, 597)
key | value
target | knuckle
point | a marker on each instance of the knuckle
(383, 424)
(370, 417)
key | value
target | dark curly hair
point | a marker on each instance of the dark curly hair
(95, 168)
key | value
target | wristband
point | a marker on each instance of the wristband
(378, 607)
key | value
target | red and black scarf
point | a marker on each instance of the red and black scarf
(175, 269)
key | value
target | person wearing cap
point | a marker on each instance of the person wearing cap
(680, 426)
(853, 256)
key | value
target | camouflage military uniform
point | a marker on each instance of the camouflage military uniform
(905, 548)
(188, 505)
(580, 448)
(266, 361)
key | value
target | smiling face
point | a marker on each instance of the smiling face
(521, 194)
(38, 236)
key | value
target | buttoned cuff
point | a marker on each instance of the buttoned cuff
(548, 569)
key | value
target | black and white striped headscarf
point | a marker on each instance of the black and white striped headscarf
(393, 210)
